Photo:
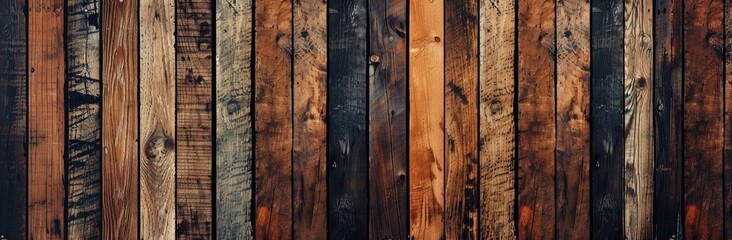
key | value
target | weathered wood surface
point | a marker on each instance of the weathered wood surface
(426, 119)
(703, 118)
(606, 144)
(157, 119)
(388, 212)
(194, 106)
(348, 145)
(120, 159)
(727, 157)
(573, 120)
(46, 132)
(461, 123)
(13, 113)
(234, 163)
(497, 136)
(273, 119)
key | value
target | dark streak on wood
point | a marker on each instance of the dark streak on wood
(727, 158)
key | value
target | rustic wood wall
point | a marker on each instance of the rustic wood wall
(365, 119)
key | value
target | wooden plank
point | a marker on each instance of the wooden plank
(120, 163)
(193, 129)
(727, 158)
(157, 119)
(703, 118)
(347, 121)
(669, 117)
(234, 166)
(497, 137)
(46, 192)
(13, 125)
(83, 105)
(309, 161)
(461, 123)
(606, 143)
(426, 119)
(273, 119)
(573, 120)
(389, 216)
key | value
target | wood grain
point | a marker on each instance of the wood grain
(13, 125)
(273, 119)
(388, 212)
(426, 119)
(234, 163)
(120, 167)
(83, 105)
(727, 157)
(348, 145)
(606, 143)
(193, 129)
(461, 123)
(157, 119)
(46, 191)
(703, 118)
(573, 120)
(497, 136)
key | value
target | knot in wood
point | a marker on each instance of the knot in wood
(158, 146)
(375, 58)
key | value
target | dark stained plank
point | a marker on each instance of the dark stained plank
(120, 179)
(388, 202)
(536, 120)
(234, 166)
(461, 123)
(13, 110)
(727, 157)
(157, 119)
(573, 120)
(703, 118)
(497, 138)
(46, 191)
(348, 145)
(83, 106)
(273, 119)
(309, 163)
(606, 124)
(193, 126)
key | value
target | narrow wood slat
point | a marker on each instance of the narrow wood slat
(727, 157)
(573, 120)
(348, 145)
(193, 126)
(497, 136)
(273, 119)
(606, 143)
(310, 199)
(13, 125)
(388, 211)
(703, 118)
(234, 165)
(120, 207)
(46, 191)
(461, 122)
(426, 119)
(157, 119)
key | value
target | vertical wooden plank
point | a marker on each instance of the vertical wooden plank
(157, 119)
(347, 120)
(193, 127)
(573, 120)
(606, 144)
(461, 122)
(83, 105)
(308, 122)
(497, 121)
(638, 210)
(13, 110)
(234, 164)
(273, 119)
(728, 120)
(426, 119)
(46, 191)
(703, 117)
(389, 216)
